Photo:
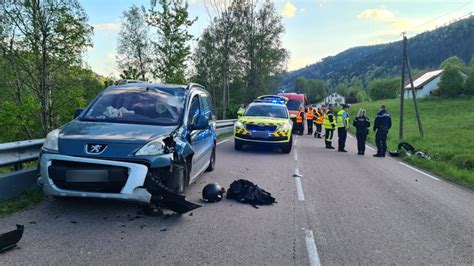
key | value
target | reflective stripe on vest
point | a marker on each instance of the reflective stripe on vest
(326, 122)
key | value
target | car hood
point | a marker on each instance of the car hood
(112, 132)
(273, 121)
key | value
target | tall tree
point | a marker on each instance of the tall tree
(43, 37)
(172, 46)
(134, 48)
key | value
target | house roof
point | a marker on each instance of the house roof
(423, 79)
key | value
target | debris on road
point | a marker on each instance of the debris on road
(163, 230)
(245, 191)
(407, 149)
(9, 240)
(212, 192)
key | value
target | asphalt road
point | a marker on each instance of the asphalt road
(342, 209)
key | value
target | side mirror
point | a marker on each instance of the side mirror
(78, 112)
(201, 122)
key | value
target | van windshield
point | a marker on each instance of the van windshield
(153, 106)
(293, 105)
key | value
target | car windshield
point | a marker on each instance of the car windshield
(278, 111)
(293, 105)
(152, 106)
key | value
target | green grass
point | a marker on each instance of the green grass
(449, 134)
(27, 199)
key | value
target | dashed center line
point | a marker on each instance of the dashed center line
(296, 154)
(419, 171)
(313, 255)
(222, 141)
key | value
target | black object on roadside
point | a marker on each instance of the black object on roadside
(245, 191)
(9, 240)
(212, 192)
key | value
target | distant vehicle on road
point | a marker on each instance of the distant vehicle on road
(296, 104)
(131, 142)
(264, 123)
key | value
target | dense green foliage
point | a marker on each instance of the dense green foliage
(469, 82)
(239, 56)
(451, 83)
(448, 134)
(384, 89)
(426, 51)
(315, 90)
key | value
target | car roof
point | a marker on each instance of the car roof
(147, 85)
(266, 104)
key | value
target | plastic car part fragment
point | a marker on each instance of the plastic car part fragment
(9, 240)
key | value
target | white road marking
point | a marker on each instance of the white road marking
(296, 154)
(370, 148)
(296, 141)
(313, 255)
(419, 171)
(220, 142)
(299, 186)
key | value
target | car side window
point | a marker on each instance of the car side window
(207, 107)
(194, 109)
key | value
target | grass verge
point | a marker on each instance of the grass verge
(448, 134)
(30, 197)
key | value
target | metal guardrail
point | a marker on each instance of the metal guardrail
(14, 154)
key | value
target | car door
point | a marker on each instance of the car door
(210, 135)
(197, 139)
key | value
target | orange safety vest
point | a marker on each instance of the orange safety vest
(319, 119)
(310, 114)
(299, 119)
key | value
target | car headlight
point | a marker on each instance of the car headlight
(285, 127)
(51, 141)
(154, 147)
(238, 124)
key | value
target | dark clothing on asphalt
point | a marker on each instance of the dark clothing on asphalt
(382, 123)
(342, 136)
(310, 126)
(319, 129)
(362, 125)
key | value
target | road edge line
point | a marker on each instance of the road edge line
(419, 171)
(311, 248)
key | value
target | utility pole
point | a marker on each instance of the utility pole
(406, 63)
(402, 90)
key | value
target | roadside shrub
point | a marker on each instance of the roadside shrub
(463, 161)
(451, 83)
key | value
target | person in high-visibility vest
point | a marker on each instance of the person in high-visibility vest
(318, 121)
(309, 119)
(299, 123)
(241, 110)
(342, 121)
(329, 123)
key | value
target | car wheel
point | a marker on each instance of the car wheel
(212, 161)
(178, 179)
(237, 145)
(286, 148)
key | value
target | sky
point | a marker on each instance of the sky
(315, 29)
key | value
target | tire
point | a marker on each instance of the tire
(212, 161)
(178, 180)
(286, 148)
(237, 145)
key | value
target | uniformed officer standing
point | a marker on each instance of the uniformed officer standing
(382, 123)
(318, 121)
(342, 120)
(362, 124)
(329, 126)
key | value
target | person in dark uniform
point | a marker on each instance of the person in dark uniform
(362, 124)
(382, 124)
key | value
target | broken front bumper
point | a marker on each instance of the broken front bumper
(133, 177)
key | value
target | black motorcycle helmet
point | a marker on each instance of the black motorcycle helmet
(212, 192)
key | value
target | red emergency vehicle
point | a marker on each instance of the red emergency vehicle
(296, 104)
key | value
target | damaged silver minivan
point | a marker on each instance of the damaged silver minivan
(137, 142)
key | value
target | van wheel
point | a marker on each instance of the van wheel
(286, 148)
(237, 145)
(177, 182)
(212, 161)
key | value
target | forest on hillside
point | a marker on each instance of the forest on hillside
(364, 64)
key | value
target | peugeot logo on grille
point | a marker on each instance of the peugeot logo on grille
(95, 148)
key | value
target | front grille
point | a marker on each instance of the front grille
(261, 128)
(270, 138)
(88, 177)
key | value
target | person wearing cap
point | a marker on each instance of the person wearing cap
(342, 122)
(382, 124)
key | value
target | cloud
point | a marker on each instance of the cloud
(288, 10)
(376, 14)
(106, 26)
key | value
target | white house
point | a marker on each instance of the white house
(424, 85)
(334, 98)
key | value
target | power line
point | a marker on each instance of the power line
(456, 9)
